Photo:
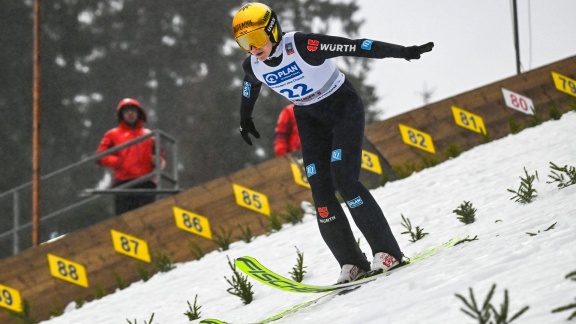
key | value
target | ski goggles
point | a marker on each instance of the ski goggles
(256, 38)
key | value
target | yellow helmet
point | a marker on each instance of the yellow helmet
(254, 24)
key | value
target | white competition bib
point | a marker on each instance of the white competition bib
(296, 80)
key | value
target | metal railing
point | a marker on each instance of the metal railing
(166, 182)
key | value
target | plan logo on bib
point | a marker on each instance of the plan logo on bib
(288, 72)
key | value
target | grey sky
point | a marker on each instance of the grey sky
(474, 44)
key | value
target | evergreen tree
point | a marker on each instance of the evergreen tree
(177, 57)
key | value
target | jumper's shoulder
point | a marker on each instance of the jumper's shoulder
(247, 65)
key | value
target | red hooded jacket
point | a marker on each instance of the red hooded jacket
(136, 160)
(286, 138)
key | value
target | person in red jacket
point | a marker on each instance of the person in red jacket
(133, 161)
(286, 138)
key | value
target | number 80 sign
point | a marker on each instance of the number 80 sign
(518, 102)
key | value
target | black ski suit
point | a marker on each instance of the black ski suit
(331, 131)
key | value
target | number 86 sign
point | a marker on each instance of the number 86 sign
(193, 223)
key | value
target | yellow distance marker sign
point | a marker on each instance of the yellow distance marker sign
(192, 223)
(468, 120)
(67, 270)
(10, 299)
(299, 175)
(564, 84)
(130, 246)
(250, 199)
(416, 138)
(371, 162)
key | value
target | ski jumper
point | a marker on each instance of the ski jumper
(330, 118)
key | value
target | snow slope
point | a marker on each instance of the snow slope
(531, 268)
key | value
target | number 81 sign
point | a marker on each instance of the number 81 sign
(518, 102)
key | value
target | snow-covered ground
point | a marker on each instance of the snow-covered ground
(531, 267)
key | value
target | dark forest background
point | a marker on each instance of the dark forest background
(177, 57)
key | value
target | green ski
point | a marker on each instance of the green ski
(256, 270)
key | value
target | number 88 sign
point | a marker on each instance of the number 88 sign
(67, 270)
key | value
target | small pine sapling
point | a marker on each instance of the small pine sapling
(241, 287)
(429, 161)
(557, 175)
(275, 224)
(294, 214)
(223, 238)
(99, 292)
(298, 270)
(572, 306)
(501, 315)
(56, 311)
(485, 136)
(466, 213)
(245, 234)
(481, 314)
(384, 179)
(419, 234)
(79, 303)
(554, 111)
(193, 312)
(405, 170)
(488, 313)
(24, 316)
(196, 250)
(136, 322)
(525, 193)
(145, 273)
(515, 128)
(452, 151)
(120, 283)
(163, 262)
(535, 119)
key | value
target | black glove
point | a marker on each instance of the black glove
(247, 127)
(414, 52)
